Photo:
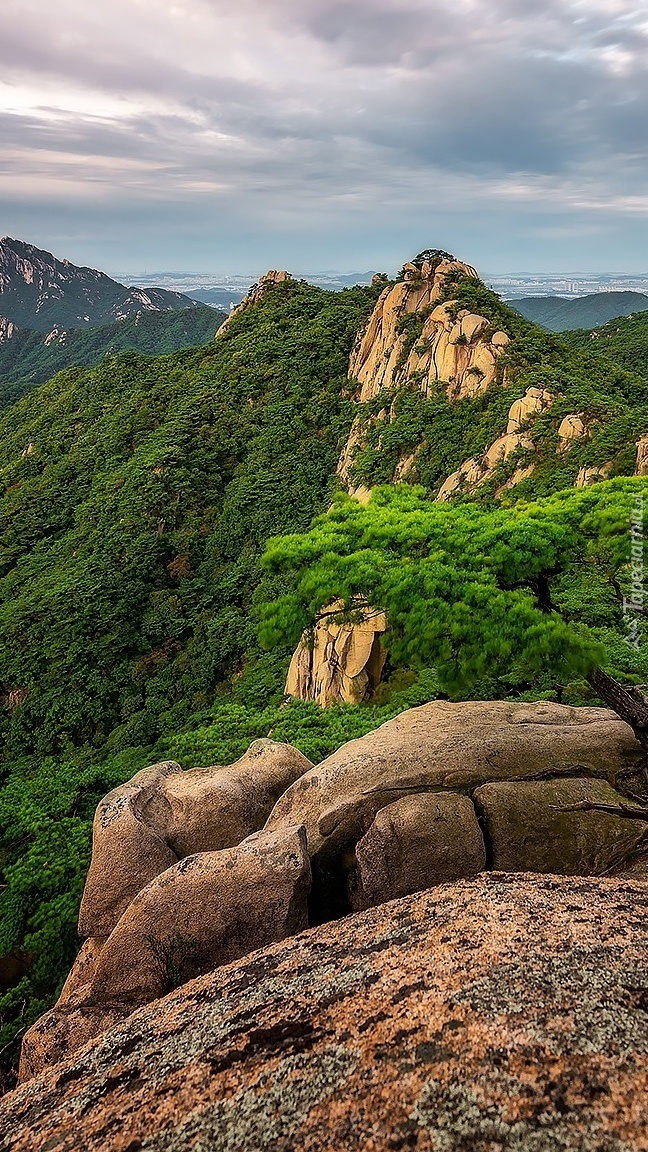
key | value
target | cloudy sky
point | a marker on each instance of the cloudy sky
(236, 135)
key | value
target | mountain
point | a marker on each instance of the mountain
(560, 315)
(623, 340)
(38, 291)
(28, 358)
(136, 502)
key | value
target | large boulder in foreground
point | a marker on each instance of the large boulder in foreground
(456, 747)
(164, 814)
(534, 826)
(505, 1012)
(205, 911)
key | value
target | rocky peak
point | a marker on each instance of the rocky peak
(257, 293)
(452, 345)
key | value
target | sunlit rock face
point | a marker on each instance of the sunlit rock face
(341, 662)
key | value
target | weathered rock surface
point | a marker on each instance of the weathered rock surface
(507, 1012)
(593, 474)
(456, 747)
(342, 663)
(207, 910)
(455, 349)
(164, 814)
(572, 428)
(415, 843)
(528, 828)
(641, 468)
(472, 473)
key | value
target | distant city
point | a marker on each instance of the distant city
(226, 290)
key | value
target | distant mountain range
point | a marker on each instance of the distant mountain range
(560, 315)
(54, 315)
(38, 291)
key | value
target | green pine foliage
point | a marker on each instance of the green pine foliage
(515, 594)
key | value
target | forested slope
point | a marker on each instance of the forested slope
(623, 340)
(136, 501)
(29, 358)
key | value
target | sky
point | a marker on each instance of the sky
(237, 135)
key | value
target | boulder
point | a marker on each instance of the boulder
(534, 401)
(573, 427)
(505, 1012)
(207, 910)
(164, 814)
(83, 969)
(528, 829)
(129, 847)
(415, 843)
(456, 747)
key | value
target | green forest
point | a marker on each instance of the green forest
(144, 614)
(30, 358)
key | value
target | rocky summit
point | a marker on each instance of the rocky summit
(505, 1012)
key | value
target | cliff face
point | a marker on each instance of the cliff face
(456, 347)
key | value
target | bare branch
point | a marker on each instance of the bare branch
(629, 811)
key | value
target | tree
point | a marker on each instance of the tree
(541, 585)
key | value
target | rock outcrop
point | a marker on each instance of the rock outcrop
(505, 1012)
(7, 330)
(164, 814)
(384, 816)
(341, 663)
(453, 346)
(416, 843)
(572, 428)
(641, 468)
(452, 748)
(471, 474)
(207, 910)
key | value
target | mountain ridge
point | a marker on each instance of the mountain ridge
(29, 357)
(38, 291)
(558, 314)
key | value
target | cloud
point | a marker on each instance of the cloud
(337, 115)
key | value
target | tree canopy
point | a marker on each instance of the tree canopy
(472, 591)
